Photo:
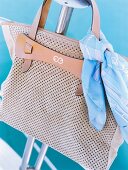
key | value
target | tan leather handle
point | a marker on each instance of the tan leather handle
(42, 14)
(95, 19)
(40, 18)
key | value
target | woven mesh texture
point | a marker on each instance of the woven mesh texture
(42, 103)
(51, 40)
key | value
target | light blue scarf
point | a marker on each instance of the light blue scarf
(104, 73)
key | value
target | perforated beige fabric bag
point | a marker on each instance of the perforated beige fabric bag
(39, 94)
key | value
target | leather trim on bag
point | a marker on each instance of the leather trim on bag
(41, 53)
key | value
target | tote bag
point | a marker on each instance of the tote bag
(42, 93)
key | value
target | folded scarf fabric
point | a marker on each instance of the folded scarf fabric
(104, 73)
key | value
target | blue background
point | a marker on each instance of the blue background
(114, 24)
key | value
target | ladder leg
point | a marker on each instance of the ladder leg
(64, 19)
(41, 157)
(27, 153)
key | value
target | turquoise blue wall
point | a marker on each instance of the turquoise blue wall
(114, 24)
